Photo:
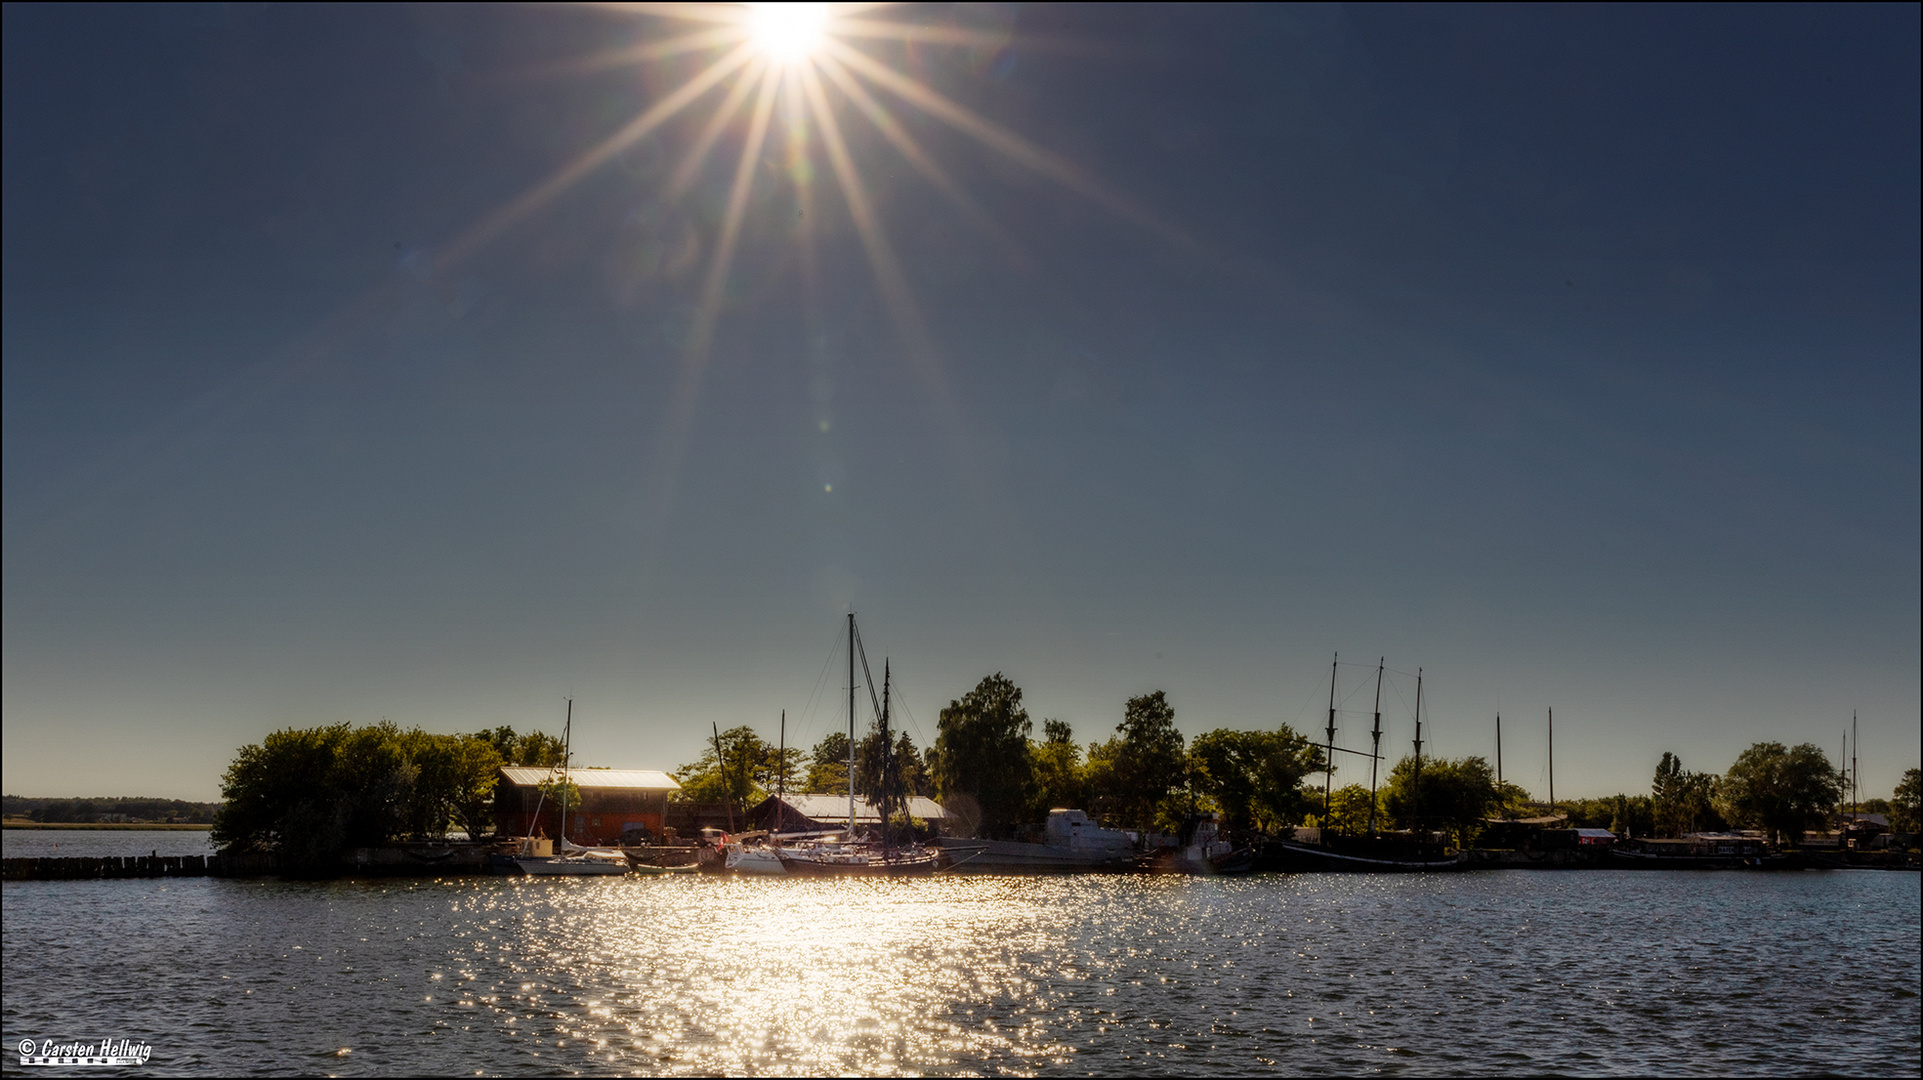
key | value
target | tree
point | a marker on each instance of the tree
(1779, 790)
(1348, 811)
(911, 773)
(455, 783)
(1058, 770)
(981, 752)
(1254, 777)
(1682, 801)
(306, 795)
(747, 761)
(1452, 795)
(1903, 803)
(1624, 814)
(828, 765)
(1136, 774)
(536, 749)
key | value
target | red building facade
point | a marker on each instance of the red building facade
(614, 803)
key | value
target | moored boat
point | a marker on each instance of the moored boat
(573, 861)
(1071, 844)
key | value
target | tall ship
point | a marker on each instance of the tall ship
(1371, 852)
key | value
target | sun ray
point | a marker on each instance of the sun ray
(1001, 139)
(680, 417)
(717, 280)
(691, 162)
(500, 220)
(940, 35)
(628, 56)
(721, 13)
(900, 301)
(881, 255)
(892, 130)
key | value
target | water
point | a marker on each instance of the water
(103, 843)
(1495, 972)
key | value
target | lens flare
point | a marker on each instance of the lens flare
(788, 33)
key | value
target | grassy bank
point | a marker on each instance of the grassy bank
(123, 826)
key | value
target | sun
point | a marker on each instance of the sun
(788, 33)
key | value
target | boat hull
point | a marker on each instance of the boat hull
(1011, 857)
(1638, 860)
(558, 866)
(901, 868)
(755, 861)
(1287, 856)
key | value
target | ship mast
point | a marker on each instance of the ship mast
(721, 765)
(781, 778)
(851, 727)
(567, 755)
(1328, 759)
(1552, 762)
(886, 796)
(1375, 746)
(1417, 798)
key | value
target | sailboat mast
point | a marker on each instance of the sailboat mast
(1328, 758)
(1856, 747)
(1552, 762)
(1417, 787)
(1498, 748)
(781, 778)
(721, 765)
(851, 726)
(567, 755)
(1375, 742)
(885, 798)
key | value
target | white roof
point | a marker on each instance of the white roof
(625, 779)
(835, 808)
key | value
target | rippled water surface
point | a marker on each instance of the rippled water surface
(1511, 972)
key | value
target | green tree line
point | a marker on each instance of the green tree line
(306, 794)
(110, 808)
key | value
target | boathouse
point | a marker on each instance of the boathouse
(807, 813)
(617, 805)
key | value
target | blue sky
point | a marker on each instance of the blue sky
(1569, 354)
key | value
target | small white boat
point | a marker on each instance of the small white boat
(569, 865)
(754, 860)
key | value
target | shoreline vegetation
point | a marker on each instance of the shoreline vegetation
(305, 797)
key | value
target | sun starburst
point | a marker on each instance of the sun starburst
(804, 62)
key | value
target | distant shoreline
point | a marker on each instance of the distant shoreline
(115, 826)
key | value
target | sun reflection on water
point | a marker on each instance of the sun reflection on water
(738, 976)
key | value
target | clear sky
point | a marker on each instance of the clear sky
(1569, 354)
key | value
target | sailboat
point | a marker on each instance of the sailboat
(850, 857)
(574, 860)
